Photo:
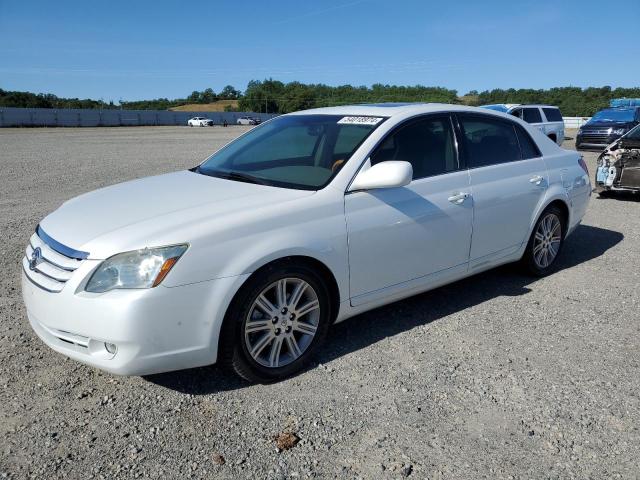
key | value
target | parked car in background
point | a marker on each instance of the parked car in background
(246, 121)
(607, 126)
(618, 166)
(545, 118)
(200, 122)
(302, 222)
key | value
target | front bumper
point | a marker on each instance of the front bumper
(154, 330)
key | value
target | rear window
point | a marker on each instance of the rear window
(532, 115)
(489, 141)
(552, 114)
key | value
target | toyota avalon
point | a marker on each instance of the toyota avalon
(304, 221)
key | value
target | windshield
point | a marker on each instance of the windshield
(634, 133)
(296, 151)
(614, 115)
(499, 108)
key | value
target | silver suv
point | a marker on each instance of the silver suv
(546, 118)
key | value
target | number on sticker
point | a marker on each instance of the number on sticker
(360, 120)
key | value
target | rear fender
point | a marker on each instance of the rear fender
(554, 193)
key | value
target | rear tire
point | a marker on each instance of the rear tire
(545, 243)
(276, 323)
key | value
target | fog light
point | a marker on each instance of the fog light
(111, 348)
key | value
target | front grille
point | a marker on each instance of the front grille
(600, 135)
(48, 268)
(630, 177)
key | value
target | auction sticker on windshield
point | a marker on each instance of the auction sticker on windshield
(360, 120)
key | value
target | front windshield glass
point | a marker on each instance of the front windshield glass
(498, 108)
(614, 115)
(296, 151)
(634, 134)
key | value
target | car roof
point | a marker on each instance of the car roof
(633, 107)
(508, 106)
(388, 109)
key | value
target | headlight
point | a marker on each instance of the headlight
(579, 131)
(619, 131)
(137, 269)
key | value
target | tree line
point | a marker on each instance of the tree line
(48, 100)
(573, 101)
(273, 96)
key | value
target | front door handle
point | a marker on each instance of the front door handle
(536, 180)
(458, 198)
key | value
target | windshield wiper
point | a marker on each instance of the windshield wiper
(238, 176)
(245, 177)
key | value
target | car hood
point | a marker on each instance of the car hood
(155, 211)
(589, 125)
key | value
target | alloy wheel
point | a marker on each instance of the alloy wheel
(547, 239)
(282, 322)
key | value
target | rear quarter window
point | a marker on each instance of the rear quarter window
(528, 147)
(552, 114)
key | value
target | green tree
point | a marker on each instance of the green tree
(208, 96)
(229, 93)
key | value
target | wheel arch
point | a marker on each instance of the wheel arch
(563, 207)
(325, 272)
(558, 201)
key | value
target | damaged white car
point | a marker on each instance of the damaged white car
(619, 165)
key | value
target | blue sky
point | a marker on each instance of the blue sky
(137, 49)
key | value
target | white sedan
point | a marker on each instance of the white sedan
(200, 122)
(304, 221)
(247, 121)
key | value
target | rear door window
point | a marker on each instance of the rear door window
(489, 141)
(532, 115)
(552, 114)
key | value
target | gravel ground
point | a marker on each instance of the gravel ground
(496, 376)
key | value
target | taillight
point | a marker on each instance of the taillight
(583, 164)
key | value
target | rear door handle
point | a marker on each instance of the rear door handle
(536, 180)
(458, 198)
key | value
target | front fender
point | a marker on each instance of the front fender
(330, 252)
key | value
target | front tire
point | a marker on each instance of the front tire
(546, 242)
(276, 323)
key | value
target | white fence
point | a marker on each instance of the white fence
(575, 122)
(50, 117)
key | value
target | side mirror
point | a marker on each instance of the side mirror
(389, 174)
